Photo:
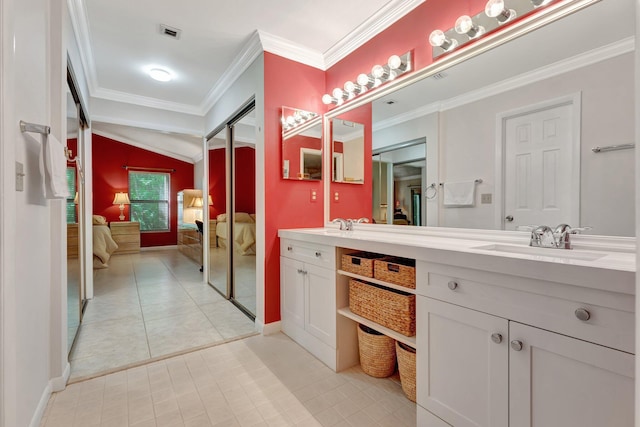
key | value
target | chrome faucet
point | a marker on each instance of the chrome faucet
(345, 224)
(361, 220)
(562, 233)
(543, 236)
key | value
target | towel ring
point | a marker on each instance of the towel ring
(431, 194)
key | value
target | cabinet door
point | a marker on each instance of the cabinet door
(462, 374)
(292, 293)
(560, 381)
(320, 303)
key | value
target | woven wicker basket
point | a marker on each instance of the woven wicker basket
(407, 369)
(400, 271)
(394, 309)
(360, 263)
(377, 352)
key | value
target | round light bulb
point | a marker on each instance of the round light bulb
(349, 87)
(160, 75)
(327, 99)
(437, 38)
(394, 62)
(463, 24)
(363, 79)
(494, 8)
(377, 71)
(291, 120)
(337, 93)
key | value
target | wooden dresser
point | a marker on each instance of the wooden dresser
(190, 243)
(72, 240)
(127, 236)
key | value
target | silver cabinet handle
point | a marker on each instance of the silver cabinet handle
(453, 285)
(300, 271)
(583, 314)
(508, 218)
(496, 338)
(289, 248)
(516, 345)
(318, 254)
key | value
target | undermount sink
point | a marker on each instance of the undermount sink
(545, 252)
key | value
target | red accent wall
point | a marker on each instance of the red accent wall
(245, 181)
(109, 177)
(354, 200)
(288, 202)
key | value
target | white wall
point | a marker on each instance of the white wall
(250, 83)
(31, 243)
(468, 138)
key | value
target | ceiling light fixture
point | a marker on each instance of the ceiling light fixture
(296, 119)
(380, 74)
(160, 74)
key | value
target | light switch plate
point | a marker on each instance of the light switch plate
(485, 198)
(19, 176)
(314, 196)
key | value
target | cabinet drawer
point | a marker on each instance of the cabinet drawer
(316, 254)
(580, 313)
(126, 238)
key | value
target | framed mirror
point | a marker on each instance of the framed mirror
(347, 151)
(301, 145)
(469, 113)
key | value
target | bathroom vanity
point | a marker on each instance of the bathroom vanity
(506, 334)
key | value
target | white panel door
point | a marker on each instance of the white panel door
(461, 371)
(557, 381)
(320, 297)
(292, 294)
(539, 168)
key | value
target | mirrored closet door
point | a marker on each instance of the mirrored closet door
(232, 225)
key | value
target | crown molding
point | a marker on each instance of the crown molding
(291, 50)
(579, 61)
(380, 21)
(143, 146)
(80, 25)
(250, 51)
(145, 101)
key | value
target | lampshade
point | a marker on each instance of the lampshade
(196, 202)
(210, 201)
(121, 199)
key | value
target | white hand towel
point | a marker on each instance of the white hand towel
(55, 165)
(459, 194)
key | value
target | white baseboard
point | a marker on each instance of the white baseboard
(60, 383)
(158, 248)
(42, 406)
(271, 328)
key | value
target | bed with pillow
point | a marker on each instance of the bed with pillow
(244, 232)
(103, 243)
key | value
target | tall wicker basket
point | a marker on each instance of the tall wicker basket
(407, 369)
(377, 352)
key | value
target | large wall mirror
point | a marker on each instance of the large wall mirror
(301, 145)
(347, 151)
(519, 123)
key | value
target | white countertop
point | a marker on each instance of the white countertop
(595, 261)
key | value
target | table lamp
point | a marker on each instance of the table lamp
(121, 199)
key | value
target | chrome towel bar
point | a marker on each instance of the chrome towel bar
(31, 127)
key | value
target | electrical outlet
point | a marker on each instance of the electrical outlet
(485, 198)
(314, 196)
(336, 197)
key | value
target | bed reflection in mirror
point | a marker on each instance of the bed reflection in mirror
(301, 145)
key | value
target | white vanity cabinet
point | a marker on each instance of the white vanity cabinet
(499, 350)
(308, 297)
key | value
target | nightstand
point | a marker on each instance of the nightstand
(127, 236)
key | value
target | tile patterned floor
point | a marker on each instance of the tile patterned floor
(150, 305)
(256, 381)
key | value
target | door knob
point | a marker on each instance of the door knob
(453, 285)
(516, 345)
(583, 314)
(496, 338)
(508, 218)
(289, 248)
(318, 254)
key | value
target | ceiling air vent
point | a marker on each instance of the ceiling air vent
(170, 31)
(439, 76)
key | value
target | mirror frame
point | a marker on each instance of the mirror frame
(531, 22)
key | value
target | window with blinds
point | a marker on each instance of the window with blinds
(149, 196)
(71, 205)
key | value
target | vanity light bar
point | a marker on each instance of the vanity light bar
(467, 28)
(297, 119)
(380, 74)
